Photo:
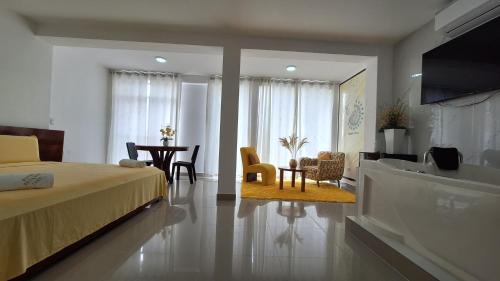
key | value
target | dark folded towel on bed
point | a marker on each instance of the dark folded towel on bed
(446, 158)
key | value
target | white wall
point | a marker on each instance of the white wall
(192, 124)
(25, 63)
(79, 103)
(474, 130)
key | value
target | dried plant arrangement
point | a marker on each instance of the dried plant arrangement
(293, 144)
(394, 116)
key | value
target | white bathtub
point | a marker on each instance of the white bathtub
(451, 218)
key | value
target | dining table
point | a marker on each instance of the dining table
(162, 156)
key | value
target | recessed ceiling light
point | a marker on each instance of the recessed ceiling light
(291, 68)
(160, 59)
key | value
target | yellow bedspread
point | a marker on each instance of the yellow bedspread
(35, 224)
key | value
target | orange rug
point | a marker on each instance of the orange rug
(324, 193)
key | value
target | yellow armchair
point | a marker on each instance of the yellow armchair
(252, 166)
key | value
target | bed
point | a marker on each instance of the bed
(38, 224)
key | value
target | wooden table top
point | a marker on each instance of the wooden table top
(161, 148)
(292, 169)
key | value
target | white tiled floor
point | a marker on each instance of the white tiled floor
(189, 237)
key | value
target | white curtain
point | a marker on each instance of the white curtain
(270, 109)
(274, 108)
(247, 117)
(315, 117)
(141, 105)
(213, 126)
(164, 104)
(276, 113)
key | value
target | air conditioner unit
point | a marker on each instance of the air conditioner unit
(464, 15)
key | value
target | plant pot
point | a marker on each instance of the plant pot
(293, 163)
(395, 141)
(166, 142)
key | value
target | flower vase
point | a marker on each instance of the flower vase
(293, 163)
(166, 142)
(395, 141)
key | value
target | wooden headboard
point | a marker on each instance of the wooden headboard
(50, 142)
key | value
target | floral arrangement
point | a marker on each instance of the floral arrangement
(293, 144)
(394, 116)
(167, 133)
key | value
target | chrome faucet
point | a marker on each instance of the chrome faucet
(426, 156)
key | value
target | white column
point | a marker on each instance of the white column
(229, 123)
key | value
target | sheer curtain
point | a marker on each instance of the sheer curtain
(315, 116)
(141, 104)
(213, 126)
(270, 109)
(274, 108)
(276, 113)
(164, 104)
(247, 117)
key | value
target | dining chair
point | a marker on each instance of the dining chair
(190, 166)
(133, 154)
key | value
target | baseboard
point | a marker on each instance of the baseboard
(186, 174)
(197, 174)
(226, 196)
(348, 178)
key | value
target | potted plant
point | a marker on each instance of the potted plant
(393, 123)
(167, 135)
(293, 145)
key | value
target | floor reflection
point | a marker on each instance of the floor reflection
(289, 236)
(190, 237)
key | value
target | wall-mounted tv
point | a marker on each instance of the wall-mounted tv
(466, 65)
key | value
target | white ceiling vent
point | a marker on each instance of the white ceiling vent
(463, 15)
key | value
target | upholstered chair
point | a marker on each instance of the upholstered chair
(252, 166)
(327, 166)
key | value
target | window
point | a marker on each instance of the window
(142, 103)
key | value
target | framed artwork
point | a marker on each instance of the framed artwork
(352, 121)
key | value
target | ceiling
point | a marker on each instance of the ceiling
(198, 61)
(311, 66)
(354, 20)
(202, 60)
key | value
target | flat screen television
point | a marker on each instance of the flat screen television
(466, 65)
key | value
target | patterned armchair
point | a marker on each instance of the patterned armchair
(328, 166)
